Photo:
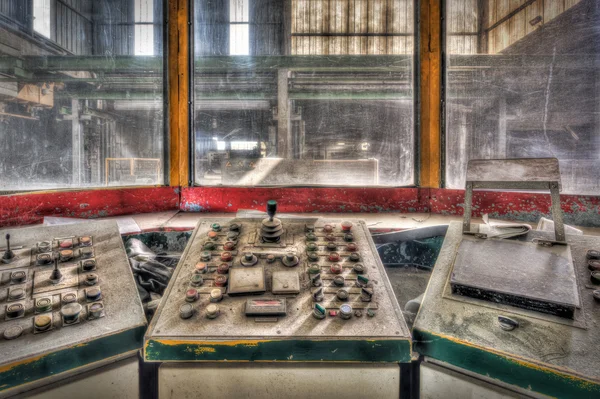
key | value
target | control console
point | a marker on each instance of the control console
(286, 289)
(67, 299)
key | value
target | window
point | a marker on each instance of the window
(522, 82)
(144, 27)
(41, 17)
(324, 95)
(239, 29)
(83, 111)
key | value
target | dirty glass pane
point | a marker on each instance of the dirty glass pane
(304, 92)
(523, 81)
(81, 93)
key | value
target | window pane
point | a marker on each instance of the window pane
(322, 96)
(523, 81)
(41, 17)
(79, 109)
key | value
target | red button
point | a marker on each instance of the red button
(223, 268)
(346, 226)
(221, 280)
(336, 268)
(351, 247)
(226, 256)
(191, 295)
(332, 313)
(229, 246)
(66, 244)
(334, 257)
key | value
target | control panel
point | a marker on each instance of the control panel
(270, 288)
(67, 299)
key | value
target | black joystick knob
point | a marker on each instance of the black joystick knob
(271, 209)
(56, 275)
(8, 254)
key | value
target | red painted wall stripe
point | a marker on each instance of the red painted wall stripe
(31, 208)
(25, 209)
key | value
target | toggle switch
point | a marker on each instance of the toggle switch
(362, 281)
(318, 295)
(319, 312)
(315, 280)
(366, 294)
(56, 275)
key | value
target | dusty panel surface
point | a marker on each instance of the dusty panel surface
(545, 352)
(111, 321)
(260, 275)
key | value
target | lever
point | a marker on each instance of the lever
(56, 275)
(271, 209)
(8, 254)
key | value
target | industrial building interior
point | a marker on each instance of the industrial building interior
(300, 198)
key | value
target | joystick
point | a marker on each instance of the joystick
(56, 275)
(8, 254)
(271, 229)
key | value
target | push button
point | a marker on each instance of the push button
(18, 277)
(346, 225)
(15, 310)
(43, 305)
(346, 311)
(95, 310)
(70, 313)
(93, 294)
(212, 311)
(186, 311)
(13, 332)
(43, 322)
(336, 268)
(221, 280)
(226, 256)
(334, 257)
(191, 295)
(216, 295)
(223, 268)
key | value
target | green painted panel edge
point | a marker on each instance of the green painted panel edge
(70, 358)
(511, 371)
(384, 351)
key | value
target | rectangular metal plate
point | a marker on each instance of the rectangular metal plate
(265, 307)
(247, 280)
(522, 274)
(285, 282)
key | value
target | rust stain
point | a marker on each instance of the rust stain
(10, 366)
